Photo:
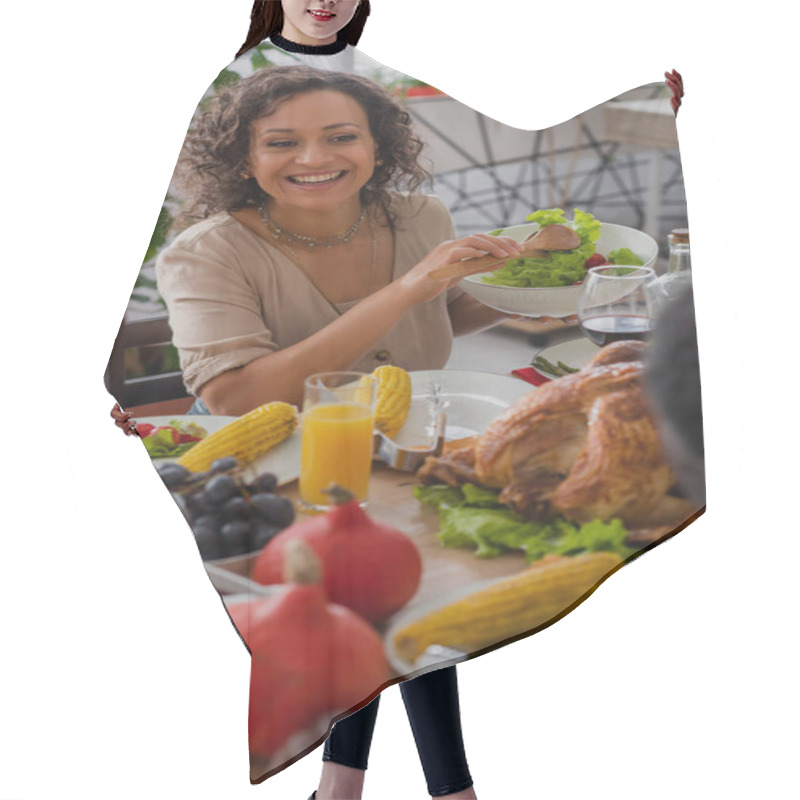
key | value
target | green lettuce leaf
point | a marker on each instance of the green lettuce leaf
(626, 256)
(439, 496)
(490, 531)
(596, 536)
(558, 268)
(547, 216)
(479, 496)
(472, 517)
(587, 227)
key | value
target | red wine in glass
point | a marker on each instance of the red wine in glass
(607, 328)
(617, 303)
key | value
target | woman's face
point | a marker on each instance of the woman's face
(315, 152)
(316, 22)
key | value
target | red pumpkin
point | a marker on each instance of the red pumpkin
(367, 566)
(308, 657)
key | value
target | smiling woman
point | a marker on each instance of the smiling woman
(299, 120)
(312, 248)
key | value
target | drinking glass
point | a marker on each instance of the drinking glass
(337, 438)
(618, 303)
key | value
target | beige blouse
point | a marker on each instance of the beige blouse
(233, 297)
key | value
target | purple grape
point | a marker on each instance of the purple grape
(236, 508)
(223, 464)
(208, 542)
(220, 489)
(273, 509)
(236, 537)
(172, 474)
(264, 484)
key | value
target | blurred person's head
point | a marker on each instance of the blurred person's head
(672, 379)
(310, 22)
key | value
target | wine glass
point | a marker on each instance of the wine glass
(618, 303)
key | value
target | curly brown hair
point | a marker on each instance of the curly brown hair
(209, 176)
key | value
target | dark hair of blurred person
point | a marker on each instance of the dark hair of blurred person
(672, 380)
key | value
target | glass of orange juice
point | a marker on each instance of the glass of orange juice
(337, 436)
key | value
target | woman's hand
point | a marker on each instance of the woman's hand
(421, 287)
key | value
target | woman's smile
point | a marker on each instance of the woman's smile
(317, 180)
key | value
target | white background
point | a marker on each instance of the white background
(122, 677)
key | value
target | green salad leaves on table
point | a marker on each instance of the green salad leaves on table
(170, 441)
(472, 517)
(557, 268)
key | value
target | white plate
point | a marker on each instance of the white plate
(283, 460)
(576, 353)
(471, 401)
(556, 301)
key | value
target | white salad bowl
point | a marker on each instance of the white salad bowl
(555, 301)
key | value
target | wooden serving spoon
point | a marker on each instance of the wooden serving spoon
(554, 237)
(537, 245)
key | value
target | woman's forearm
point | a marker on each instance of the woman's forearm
(338, 346)
(467, 316)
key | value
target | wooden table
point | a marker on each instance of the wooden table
(391, 501)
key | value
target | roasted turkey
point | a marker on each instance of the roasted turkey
(584, 446)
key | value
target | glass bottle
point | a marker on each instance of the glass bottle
(679, 266)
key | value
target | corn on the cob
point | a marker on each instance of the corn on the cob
(393, 399)
(507, 608)
(246, 438)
